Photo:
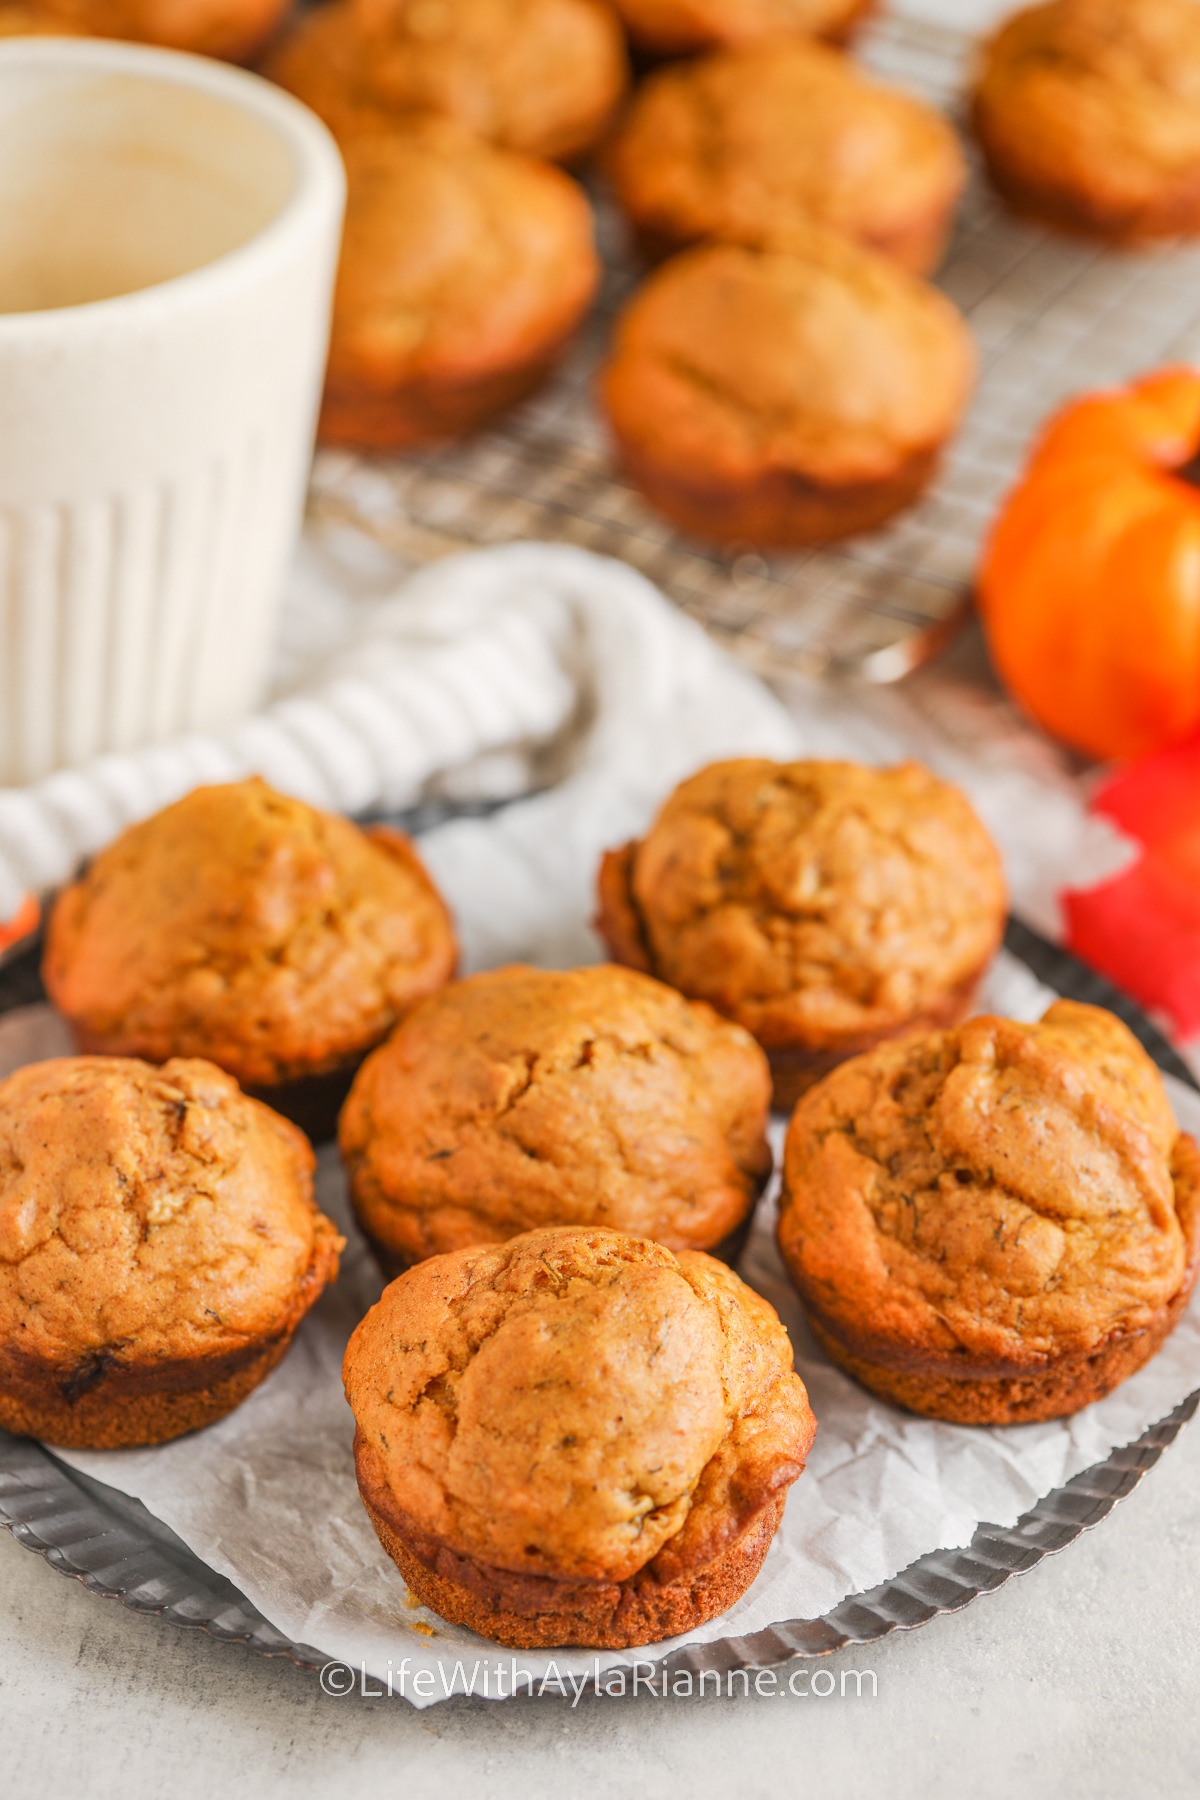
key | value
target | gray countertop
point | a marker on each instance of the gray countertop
(1077, 1679)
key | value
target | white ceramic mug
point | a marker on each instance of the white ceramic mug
(169, 230)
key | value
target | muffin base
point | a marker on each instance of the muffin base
(312, 1102)
(392, 1263)
(104, 1404)
(919, 246)
(1174, 211)
(429, 411)
(780, 508)
(1053, 1393)
(536, 1612)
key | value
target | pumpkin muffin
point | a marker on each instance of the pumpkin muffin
(743, 145)
(1088, 113)
(824, 906)
(994, 1224)
(575, 1437)
(784, 397)
(159, 1245)
(234, 30)
(528, 1097)
(542, 76)
(464, 271)
(280, 942)
(676, 27)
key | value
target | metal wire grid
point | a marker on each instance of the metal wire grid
(1052, 316)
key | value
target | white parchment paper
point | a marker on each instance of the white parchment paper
(268, 1496)
(617, 696)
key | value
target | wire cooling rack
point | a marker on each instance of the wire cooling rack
(1052, 316)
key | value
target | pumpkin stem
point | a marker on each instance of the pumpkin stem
(1189, 471)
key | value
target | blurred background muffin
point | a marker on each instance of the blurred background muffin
(575, 1437)
(784, 397)
(994, 1224)
(676, 27)
(279, 942)
(528, 1097)
(823, 905)
(742, 145)
(1088, 113)
(464, 271)
(542, 76)
(234, 30)
(159, 1245)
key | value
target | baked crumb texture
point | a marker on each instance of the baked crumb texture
(541, 76)
(248, 928)
(1088, 114)
(677, 27)
(529, 1097)
(785, 396)
(464, 271)
(824, 906)
(575, 1437)
(749, 144)
(159, 1245)
(993, 1224)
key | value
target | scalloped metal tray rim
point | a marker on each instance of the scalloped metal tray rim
(117, 1548)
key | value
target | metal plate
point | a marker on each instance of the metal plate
(1052, 316)
(116, 1547)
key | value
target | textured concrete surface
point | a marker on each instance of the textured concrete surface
(1079, 1679)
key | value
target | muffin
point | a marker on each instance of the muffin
(824, 906)
(530, 1097)
(159, 1246)
(575, 1437)
(1088, 113)
(279, 942)
(464, 271)
(994, 1224)
(745, 145)
(784, 397)
(235, 30)
(541, 76)
(675, 27)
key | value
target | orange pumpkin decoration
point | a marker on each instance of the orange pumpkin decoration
(1090, 584)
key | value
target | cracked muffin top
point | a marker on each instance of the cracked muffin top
(810, 901)
(672, 27)
(528, 1097)
(457, 258)
(541, 76)
(577, 1402)
(249, 928)
(824, 361)
(1003, 1192)
(150, 1215)
(1100, 96)
(742, 145)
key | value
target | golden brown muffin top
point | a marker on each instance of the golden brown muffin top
(34, 21)
(1002, 1190)
(1104, 93)
(528, 1097)
(543, 76)
(825, 361)
(576, 1402)
(149, 1215)
(456, 258)
(674, 26)
(240, 924)
(809, 900)
(741, 145)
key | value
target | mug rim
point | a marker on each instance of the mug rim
(319, 191)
